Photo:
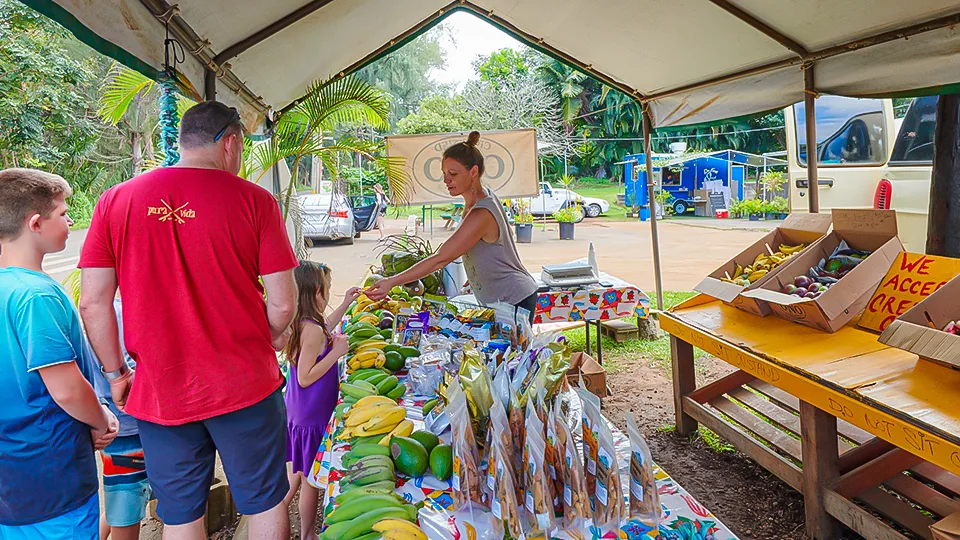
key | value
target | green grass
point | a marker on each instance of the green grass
(80, 225)
(609, 193)
(617, 356)
(704, 434)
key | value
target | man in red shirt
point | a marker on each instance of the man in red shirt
(186, 246)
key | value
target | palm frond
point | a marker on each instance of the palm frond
(183, 103)
(119, 90)
(347, 101)
(72, 284)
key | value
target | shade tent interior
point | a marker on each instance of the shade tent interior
(750, 56)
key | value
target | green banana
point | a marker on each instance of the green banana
(370, 475)
(361, 492)
(356, 391)
(386, 385)
(370, 536)
(368, 462)
(397, 392)
(384, 486)
(364, 450)
(349, 510)
(362, 524)
(428, 406)
(377, 379)
(349, 400)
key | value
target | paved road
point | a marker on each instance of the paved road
(59, 265)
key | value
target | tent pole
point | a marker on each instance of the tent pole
(810, 112)
(651, 202)
(943, 238)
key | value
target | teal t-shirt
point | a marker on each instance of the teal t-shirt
(48, 465)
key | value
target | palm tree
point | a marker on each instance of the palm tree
(307, 129)
(568, 81)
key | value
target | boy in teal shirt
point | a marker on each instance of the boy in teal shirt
(51, 419)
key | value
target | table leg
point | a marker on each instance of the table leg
(586, 326)
(599, 344)
(821, 466)
(684, 382)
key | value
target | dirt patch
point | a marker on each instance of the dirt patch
(753, 503)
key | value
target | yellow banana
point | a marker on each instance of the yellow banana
(389, 417)
(361, 431)
(398, 529)
(378, 344)
(370, 400)
(757, 275)
(361, 416)
(403, 429)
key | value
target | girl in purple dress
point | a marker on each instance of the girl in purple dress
(313, 385)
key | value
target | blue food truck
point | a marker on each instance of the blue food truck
(682, 174)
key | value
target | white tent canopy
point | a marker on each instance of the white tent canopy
(692, 61)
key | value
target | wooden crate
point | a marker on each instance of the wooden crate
(619, 331)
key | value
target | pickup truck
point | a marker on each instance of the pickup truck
(553, 198)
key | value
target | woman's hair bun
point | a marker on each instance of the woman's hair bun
(473, 138)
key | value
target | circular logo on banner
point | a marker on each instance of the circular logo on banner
(428, 171)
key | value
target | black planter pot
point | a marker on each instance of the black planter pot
(754, 217)
(770, 216)
(782, 216)
(524, 233)
(566, 230)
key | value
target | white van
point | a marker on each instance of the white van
(865, 161)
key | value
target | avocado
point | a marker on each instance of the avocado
(395, 361)
(441, 461)
(409, 352)
(409, 456)
(427, 439)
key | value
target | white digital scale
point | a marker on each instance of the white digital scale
(573, 274)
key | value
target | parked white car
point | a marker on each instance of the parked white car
(552, 199)
(327, 216)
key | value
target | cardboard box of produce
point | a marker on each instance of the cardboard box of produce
(947, 528)
(796, 229)
(920, 329)
(594, 376)
(873, 231)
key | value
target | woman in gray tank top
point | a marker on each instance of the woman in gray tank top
(483, 238)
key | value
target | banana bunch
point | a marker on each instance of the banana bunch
(398, 529)
(360, 379)
(762, 265)
(364, 305)
(366, 359)
(375, 418)
(356, 518)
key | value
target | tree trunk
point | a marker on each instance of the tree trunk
(136, 153)
(943, 235)
(148, 147)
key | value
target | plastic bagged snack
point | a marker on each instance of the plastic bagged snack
(477, 385)
(538, 496)
(577, 514)
(466, 478)
(501, 480)
(644, 512)
(590, 422)
(611, 508)
(518, 430)
(555, 453)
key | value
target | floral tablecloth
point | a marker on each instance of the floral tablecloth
(682, 518)
(596, 303)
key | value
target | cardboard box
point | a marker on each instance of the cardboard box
(870, 230)
(919, 329)
(594, 376)
(947, 528)
(796, 229)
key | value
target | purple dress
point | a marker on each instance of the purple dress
(308, 413)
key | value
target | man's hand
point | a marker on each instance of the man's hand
(120, 389)
(281, 341)
(102, 439)
(341, 345)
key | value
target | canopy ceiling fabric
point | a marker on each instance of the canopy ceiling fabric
(674, 55)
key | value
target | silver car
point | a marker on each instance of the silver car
(327, 216)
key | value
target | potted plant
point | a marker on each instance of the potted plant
(769, 210)
(753, 208)
(523, 222)
(781, 207)
(664, 198)
(736, 208)
(567, 218)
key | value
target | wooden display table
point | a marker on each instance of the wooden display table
(899, 416)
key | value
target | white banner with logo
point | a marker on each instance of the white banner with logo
(510, 163)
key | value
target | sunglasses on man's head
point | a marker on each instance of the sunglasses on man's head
(235, 117)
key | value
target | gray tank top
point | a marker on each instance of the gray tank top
(494, 269)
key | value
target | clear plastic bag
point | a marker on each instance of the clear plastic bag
(555, 463)
(502, 478)
(611, 507)
(590, 424)
(644, 513)
(538, 492)
(467, 474)
(577, 514)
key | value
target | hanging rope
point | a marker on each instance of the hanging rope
(169, 119)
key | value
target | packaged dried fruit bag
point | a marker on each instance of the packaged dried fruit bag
(591, 419)
(554, 455)
(577, 514)
(538, 497)
(518, 430)
(644, 513)
(466, 478)
(611, 508)
(504, 503)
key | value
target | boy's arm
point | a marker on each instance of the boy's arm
(73, 394)
(98, 286)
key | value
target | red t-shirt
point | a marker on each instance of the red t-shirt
(188, 246)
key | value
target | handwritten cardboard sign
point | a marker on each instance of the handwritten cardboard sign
(911, 278)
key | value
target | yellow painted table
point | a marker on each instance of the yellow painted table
(911, 406)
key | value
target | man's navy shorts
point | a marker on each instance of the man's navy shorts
(252, 443)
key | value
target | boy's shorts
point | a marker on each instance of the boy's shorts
(252, 444)
(126, 490)
(81, 524)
